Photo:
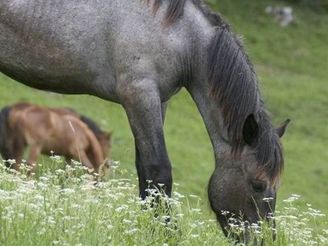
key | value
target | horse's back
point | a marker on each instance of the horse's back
(92, 46)
(49, 129)
(52, 44)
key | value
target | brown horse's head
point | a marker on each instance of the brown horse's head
(243, 187)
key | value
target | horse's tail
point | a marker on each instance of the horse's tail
(96, 150)
(4, 114)
(4, 117)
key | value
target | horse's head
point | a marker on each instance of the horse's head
(242, 187)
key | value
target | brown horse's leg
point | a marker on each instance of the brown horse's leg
(68, 160)
(18, 153)
(35, 151)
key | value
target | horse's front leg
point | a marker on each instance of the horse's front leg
(35, 151)
(142, 184)
(18, 147)
(143, 106)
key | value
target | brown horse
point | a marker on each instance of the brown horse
(104, 138)
(50, 129)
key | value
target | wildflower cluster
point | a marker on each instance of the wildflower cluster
(66, 206)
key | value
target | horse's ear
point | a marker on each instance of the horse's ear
(282, 128)
(250, 130)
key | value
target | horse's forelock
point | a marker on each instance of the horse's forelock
(269, 154)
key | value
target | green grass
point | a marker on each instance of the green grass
(66, 207)
(291, 64)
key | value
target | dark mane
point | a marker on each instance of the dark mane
(214, 18)
(173, 12)
(233, 82)
(89, 122)
(176, 8)
(92, 125)
(234, 85)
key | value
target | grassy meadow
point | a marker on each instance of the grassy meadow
(60, 206)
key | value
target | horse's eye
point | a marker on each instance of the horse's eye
(258, 185)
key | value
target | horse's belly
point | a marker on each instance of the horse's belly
(54, 148)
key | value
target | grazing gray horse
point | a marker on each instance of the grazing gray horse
(140, 53)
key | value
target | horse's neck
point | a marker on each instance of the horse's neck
(212, 117)
(200, 90)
